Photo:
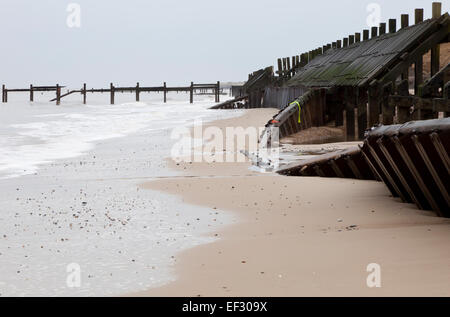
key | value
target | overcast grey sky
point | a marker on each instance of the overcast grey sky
(172, 40)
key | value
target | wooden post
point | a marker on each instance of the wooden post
(351, 39)
(357, 37)
(402, 112)
(349, 115)
(288, 66)
(382, 28)
(418, 65)
(405, 24)
(58, 95)
(84, 92)
(373, 111)
(165, 92)
(280, 68)
(31, 93)
(404, 20)
(303, 60)
(435, 51)
(436, 10)
(362, 112)
(392, 25)
(418, 16)
(386, 111)
(345, 41)
(218, 91)
(192, 93)
(365, 35)
(137, 92)
(338, 44)
(349, 123)
(3, 93)
(111, 87)
(374, 32)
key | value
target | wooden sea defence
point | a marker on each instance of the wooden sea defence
(192, 89)
(371, 77)
(412, 159)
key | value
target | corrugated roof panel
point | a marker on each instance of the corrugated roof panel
(359, 62)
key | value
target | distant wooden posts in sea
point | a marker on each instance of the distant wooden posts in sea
(198, 89)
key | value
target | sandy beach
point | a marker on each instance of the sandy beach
(303, 236)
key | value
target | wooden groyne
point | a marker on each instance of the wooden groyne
(371, 77)
(412, 159)
(192, 89)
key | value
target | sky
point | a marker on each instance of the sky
(177, 41)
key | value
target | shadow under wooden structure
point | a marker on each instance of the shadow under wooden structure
(203, 89)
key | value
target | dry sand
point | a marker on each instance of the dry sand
(305, 236)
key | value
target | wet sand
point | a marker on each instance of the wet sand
(304, 236)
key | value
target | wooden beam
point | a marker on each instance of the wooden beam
(434, 105)
(351, 39)
(404, 20)
(137, 92)
(362, 112)
(392, 25)
(418, 65)
(436, 10)
(382, 28)
(58, 95)
(418, 16)
(218, 91)
(410, 58)
(374, 32)
(373, 111)
(84, 93)
(111, 87)
(31, 93)
(387, 112)
(366, 34)
(280, 67)
(418, 73)
(349, 123)
(357, 37)
(349, 116)
(435, 51)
